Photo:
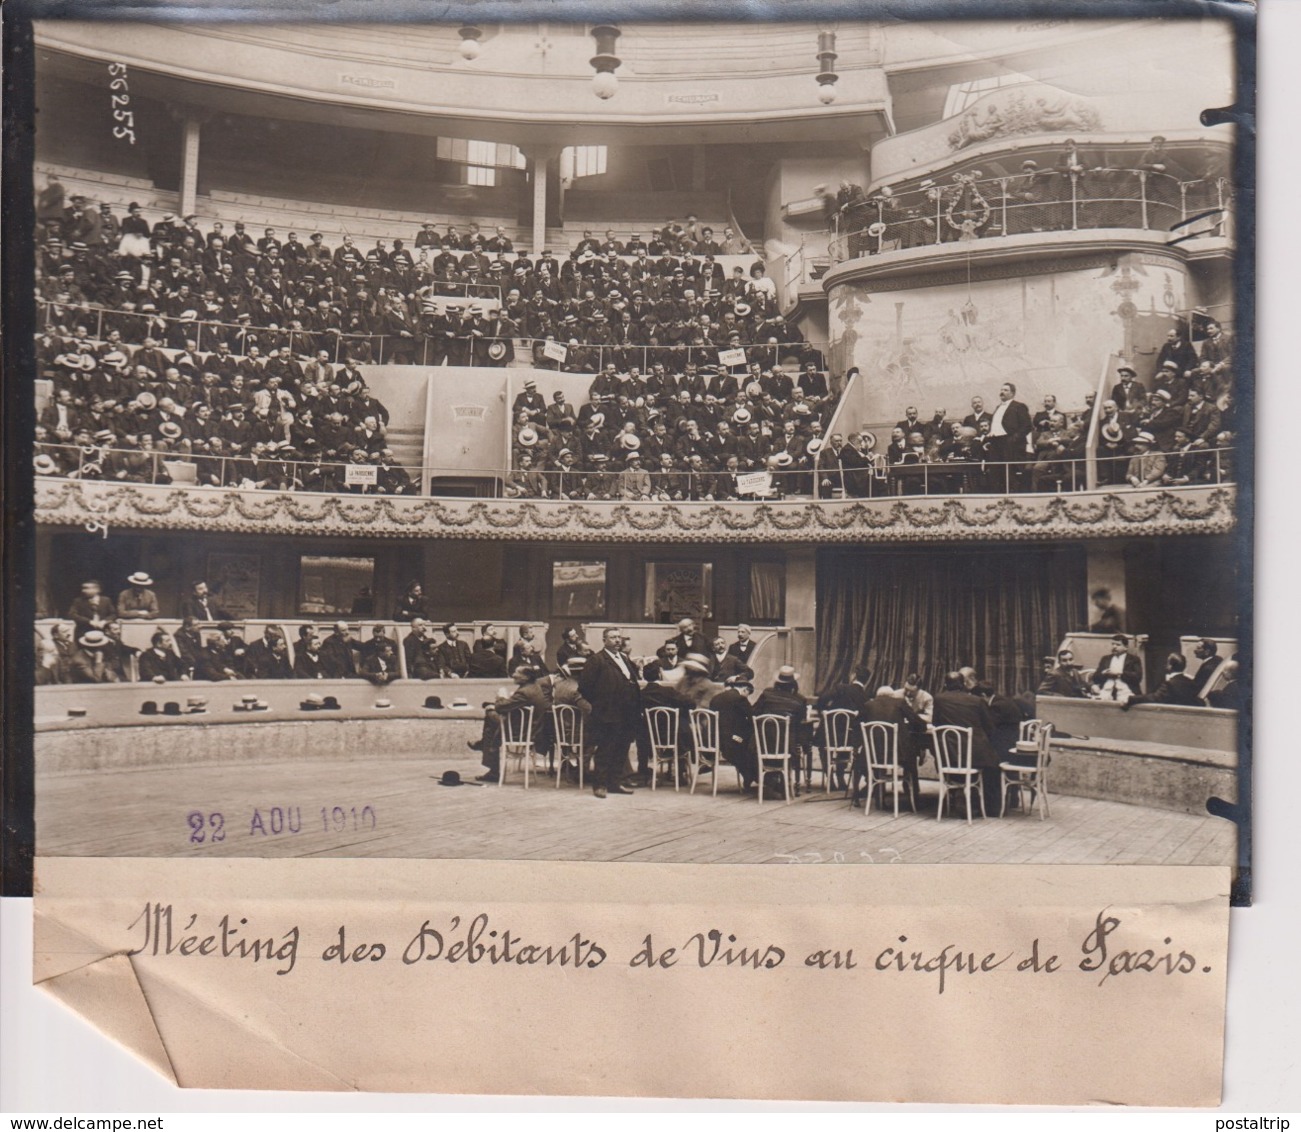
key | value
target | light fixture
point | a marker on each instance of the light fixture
(605, 62)
(470, 41)
(826, 62)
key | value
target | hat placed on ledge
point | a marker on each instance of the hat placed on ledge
(382, 704)
(450, 778)
(76, 712)
(433, 703)
(330, 704)
(314, 702)
(196, 705)
(149, 707)
(172, 707)
(460, 702)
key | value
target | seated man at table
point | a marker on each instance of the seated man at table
(1178, 688)
(530, 691)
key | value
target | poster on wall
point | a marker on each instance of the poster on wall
(234, 580)
(679, 589)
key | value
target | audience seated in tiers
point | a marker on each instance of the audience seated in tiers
(673, 435)
(241, 356)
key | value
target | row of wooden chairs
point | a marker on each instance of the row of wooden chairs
(880, 743)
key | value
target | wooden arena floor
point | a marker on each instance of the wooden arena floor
(283, 809)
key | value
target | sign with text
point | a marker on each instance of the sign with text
(364, 474)
(732, 357)
(754, 483)
(555, 351)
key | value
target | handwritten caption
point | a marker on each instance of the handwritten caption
(1109, 950)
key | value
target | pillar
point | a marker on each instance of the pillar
(189, 164)
(539, 158)
(802, 612)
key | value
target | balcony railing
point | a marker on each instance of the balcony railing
(828, 481)
(972, 208)
(413, 348)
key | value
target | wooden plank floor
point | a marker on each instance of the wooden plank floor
(276, 809)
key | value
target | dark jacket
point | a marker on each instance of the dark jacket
(962, 709)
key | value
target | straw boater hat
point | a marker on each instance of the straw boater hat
(527, 437)
(630, 440)
(93, 640)
(140, 578)
(44, 465)
(1144, 438)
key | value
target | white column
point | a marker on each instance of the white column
(539, 163)
(189, 165)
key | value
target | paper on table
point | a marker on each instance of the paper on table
(534, 977)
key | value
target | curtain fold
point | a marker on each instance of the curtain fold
(766, 591)
(1000, 611)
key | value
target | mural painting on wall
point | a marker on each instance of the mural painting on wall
(948, 343)
(1019, 113)
(234, 580)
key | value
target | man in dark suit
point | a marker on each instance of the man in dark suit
(743, 647)
(609, 683)
(689, 640)
(199, 605)
(531, 691)
(337, 657)
(1177, 688)
(1207, 651)
(957, 707)
(736, 730)
(1128, 392)
(1008, 429)
(1121, 666)
(453, 655)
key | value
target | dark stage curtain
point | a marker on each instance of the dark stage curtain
(930, 612)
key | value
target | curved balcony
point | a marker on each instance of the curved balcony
(1110, 513)
(1008, 215)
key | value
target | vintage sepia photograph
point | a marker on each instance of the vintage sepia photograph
(815, 442)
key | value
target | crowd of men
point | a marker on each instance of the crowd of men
(669, 435)
(457, 298)
(1118, 677)
(1181, 431)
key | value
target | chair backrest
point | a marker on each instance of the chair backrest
(704, 729)
(1045, 741)
(772, 735)
(838, 727)
(881, 741)
(662, 723)
(953, 748)
(568, 722)
(1029, 730)
(517, 725)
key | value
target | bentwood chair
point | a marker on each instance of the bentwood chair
(772, 748)
(706, 744)
(662, 723)
(837, 746)
(881, 748)
(517, 743)
(567, 722)
(1024, 778)
(953, 754)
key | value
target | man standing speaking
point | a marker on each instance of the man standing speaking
(609, 683)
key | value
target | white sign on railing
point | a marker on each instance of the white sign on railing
(555, 351)
(365, 474)
(734, 357)
(754, 483)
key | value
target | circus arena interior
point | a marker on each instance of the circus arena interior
(843, 466)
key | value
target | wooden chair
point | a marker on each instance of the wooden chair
(1029, 778)
(881, 748)
(567, 722)
(838, 745)
(662, 723)
(772, 748)
(953, 754)
(705, 744)
(517, 743)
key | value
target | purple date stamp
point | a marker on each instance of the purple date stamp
(213, 827)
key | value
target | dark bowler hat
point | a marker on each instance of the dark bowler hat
(149, 707)
(450, 778)
(171, 707)
(330, 704)
(433, 703)
(314, 702)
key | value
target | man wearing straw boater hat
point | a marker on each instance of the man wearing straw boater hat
(138, 602)
(89, 664)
